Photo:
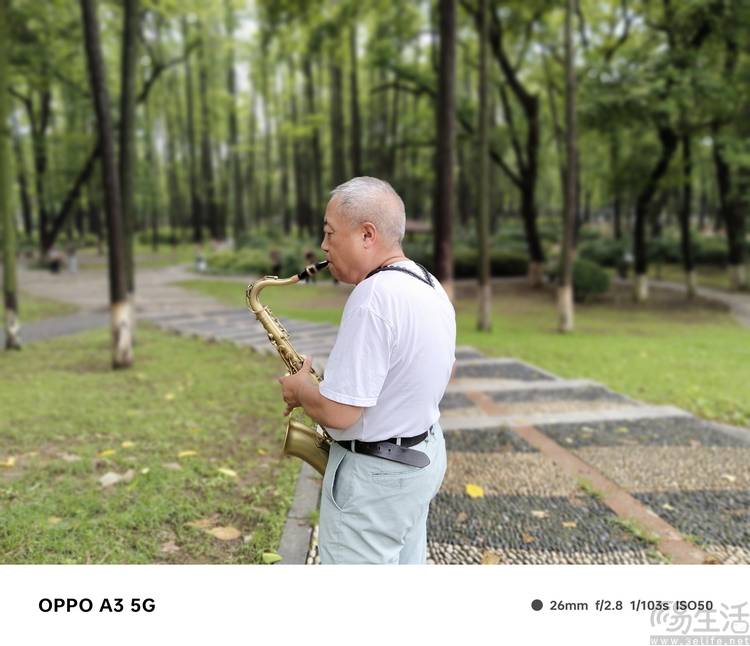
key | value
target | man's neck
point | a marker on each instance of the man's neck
(386, 258)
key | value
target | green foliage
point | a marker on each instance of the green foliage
(589, 280)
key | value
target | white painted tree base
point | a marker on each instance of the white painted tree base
(641, 288)
(565, 308)
(12, 330)
(737, 276)
(691, 283)
(122, 337)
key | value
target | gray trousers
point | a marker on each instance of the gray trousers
(375, 511)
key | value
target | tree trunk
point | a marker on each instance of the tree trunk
(643, 209)
(337, 125)
(23, 185)
(484, 320)
(356, 141)
(7, 223)
(446, 145)
(208, 182)
(196, 205)
(122, 348)
(317, 153)
(686, 202)
(238, 222)
(127, 128)
(567, 252)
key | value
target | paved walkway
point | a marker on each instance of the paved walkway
(563, 471)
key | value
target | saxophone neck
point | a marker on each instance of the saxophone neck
(253, 290)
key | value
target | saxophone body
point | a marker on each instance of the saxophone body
(310, 445)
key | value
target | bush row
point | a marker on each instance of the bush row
(611, 253)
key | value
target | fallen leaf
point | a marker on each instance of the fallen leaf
(270, 558)
(729, 477)
(69, 457)
(536, 513)
(202, 523)
(570, 524)
(262, 452)
(587, 429)
(169, 397)
(247, 538)
(106, 452)
(145, 470)
(225, 533)
(228, 472)
(8, 463)
(462, 517)
(169, 547)
(491, 558)
(527, 538)
(667, 506)
(110, 478)
(54, 520)
(569, 440)
(172, 466)
(474, 491)
(186, 454)
(622, 429)
(127, 444)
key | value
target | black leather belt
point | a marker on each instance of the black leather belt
(394, 449)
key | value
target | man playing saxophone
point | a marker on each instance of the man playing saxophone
(384, 379)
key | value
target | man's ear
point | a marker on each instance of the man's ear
(369, 233)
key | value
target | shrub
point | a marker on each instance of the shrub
(589, 279)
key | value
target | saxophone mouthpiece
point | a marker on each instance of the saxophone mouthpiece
(313, 269)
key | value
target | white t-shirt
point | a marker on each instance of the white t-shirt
(393, 355)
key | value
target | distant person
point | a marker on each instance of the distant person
(54, 260)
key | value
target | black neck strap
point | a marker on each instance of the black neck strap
(425, 279)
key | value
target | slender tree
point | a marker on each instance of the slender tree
(238, 222)
(567, 252)
(196, 205)
(122, 347)
(443, 206)
(484, 321)
(127, 128)
(356, 138)
(10, 297)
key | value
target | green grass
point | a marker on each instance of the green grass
(35, 309)
(706, 275)
(665, 352)
(66, 415)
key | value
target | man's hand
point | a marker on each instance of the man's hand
(291, 385)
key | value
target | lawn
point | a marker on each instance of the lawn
(194, 430)
(668, 351)
(706, 275)
(33, 309)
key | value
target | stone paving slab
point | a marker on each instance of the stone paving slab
(572, 417)
(647, 431)
(498, 369)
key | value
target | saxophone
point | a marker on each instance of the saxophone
(310, 445)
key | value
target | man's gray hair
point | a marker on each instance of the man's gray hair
(369, 199)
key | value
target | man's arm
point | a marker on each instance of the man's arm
(300, 390)
(324, 411)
